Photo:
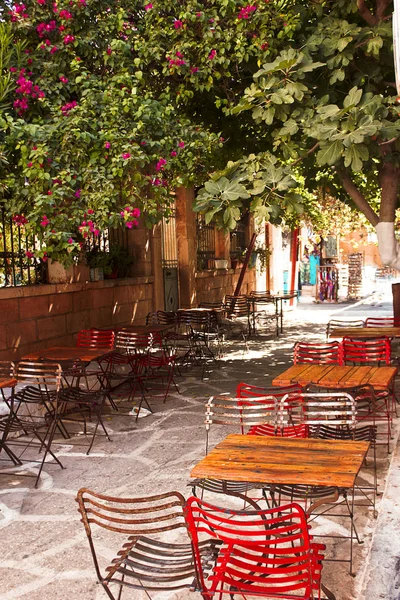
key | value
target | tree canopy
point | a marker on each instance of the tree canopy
(120, 100)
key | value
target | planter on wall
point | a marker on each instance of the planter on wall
(57, 273)
(221, 263)
(96, 274)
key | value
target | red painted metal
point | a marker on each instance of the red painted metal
(265, 553)
(293, 258)
(329, 353)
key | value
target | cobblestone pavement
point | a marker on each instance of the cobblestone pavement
(44, 553)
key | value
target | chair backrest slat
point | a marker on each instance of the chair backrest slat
(382, 322)
(328, 353)
(95, 338)
(361, 352)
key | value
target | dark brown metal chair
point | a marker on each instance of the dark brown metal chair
(33, 413)
(146, 559)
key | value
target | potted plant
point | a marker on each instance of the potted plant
(260, 255)
(99, 264)
(120, 261)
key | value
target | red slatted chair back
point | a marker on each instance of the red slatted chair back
(328, 353)
(95, 338)
(137, 343)
(367, 352)
(273, 542)
(382, 322)
(257, 393)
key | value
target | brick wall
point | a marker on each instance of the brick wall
(36, 317)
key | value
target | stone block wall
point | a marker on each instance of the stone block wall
(36, 317)
(211, 286)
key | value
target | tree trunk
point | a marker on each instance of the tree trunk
(389, 248)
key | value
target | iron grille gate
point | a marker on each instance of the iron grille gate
(170, 263)
(15, 267)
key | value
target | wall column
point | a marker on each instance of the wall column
(186, 239)
(156, 268)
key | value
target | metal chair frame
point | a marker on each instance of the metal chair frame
(265, 299)
(146, 559)
(42, 385)
(327, 353)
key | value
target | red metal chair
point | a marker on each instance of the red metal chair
(328, 353)
(95, 338)
(336, 323)
(266, 553)
(374, 352)
(255, 394)
(382, 322)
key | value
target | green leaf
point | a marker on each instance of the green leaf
(329, 153)
(353, 97)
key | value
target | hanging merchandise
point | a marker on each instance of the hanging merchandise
(314, 263)
(327, 283)
(355, 275)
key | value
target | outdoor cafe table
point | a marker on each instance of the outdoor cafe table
(62, 353)
(363, 333)
(334, 376)
(279, 460)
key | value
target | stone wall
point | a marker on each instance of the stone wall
(36, 317)
(211, 286)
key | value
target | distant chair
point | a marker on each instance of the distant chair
(95, 338)
(328, 353)
(382, 322)
(336, 323)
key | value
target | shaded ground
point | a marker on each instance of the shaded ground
(44, 549)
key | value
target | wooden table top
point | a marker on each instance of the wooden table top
(60, 353)
(269, 460)
(362, 333)
(336, 376)
(7, 382)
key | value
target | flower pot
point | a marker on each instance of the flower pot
(221, 263)
(113, 275)
(96, 274)
(57, 273)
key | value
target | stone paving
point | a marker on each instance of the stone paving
(44, 551)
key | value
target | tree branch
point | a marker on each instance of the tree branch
(366, 13)
(309, 152)
(381, 6)
(357, 197)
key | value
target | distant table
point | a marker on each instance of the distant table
(279, 298)
(279, 460)
(361, 333)
(7, 382)
(265, 299)
(381, 378)
(61, 353)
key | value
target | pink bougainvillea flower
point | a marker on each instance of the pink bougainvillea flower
(45, 221)
(148, 6)
(63, 79)
(69, 39)
(198, 14)
(29, 254)
(173, 153)
(45, 258)
(109, 51)
(13, 69)
(247, 11)
(181, 144)
(29, 164)
(212, 55)
(129, 224)
(264, 46)
(107, 144)
(53, 50)
(67, 107)
(160, 165)
(126, 155)
(49, 193)
(65, 14)
(78, 193)
(178, 24)
(178, 54)
(194, 69)
(70, 241)
(136, 212)
(20, 220)
(41, 2)
(156, 181)
(90, 211)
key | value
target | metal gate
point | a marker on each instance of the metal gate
(170, 263)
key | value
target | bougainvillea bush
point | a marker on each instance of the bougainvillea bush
(87, 141)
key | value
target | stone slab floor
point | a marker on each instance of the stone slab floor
(44, 552)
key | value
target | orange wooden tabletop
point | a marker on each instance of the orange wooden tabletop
(360, 333)
(262, 459)
(335, 376)
(7, 382)
(68, 353)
